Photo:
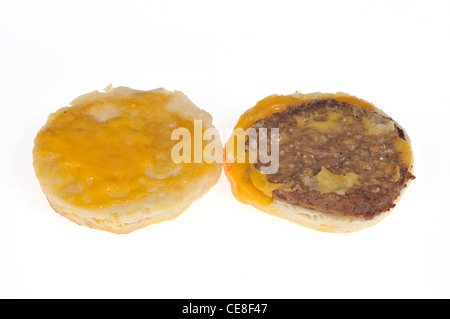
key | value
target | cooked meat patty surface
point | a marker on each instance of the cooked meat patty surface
(339, 158)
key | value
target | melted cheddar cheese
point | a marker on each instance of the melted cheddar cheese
(113, 150)
(259, 180)
(329, 182)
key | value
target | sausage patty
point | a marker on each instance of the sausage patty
(336, 157)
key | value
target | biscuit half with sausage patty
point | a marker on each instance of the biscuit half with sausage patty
(342, 163)
(106, 161)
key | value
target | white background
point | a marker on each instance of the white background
(226, 56)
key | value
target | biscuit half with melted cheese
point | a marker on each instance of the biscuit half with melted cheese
(105, 161)
(343, 164)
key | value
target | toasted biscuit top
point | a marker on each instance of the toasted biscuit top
(110, 149)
